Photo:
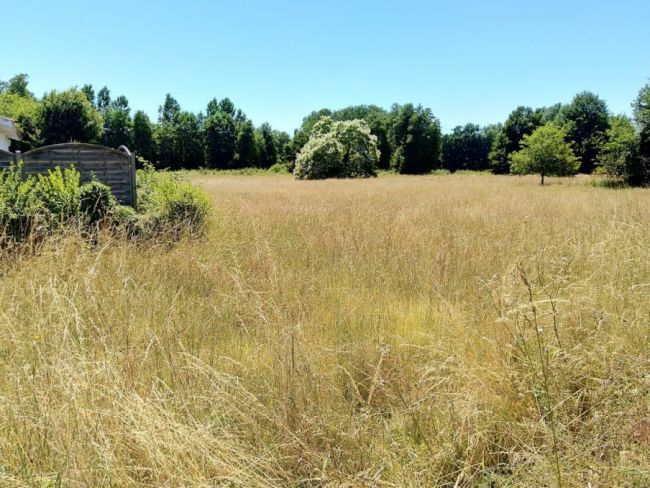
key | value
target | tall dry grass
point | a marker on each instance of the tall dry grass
(460, 330)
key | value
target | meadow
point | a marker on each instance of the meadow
(446, 330)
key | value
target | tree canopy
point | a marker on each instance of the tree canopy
(415, 134)
(521, 122)
(468, 147)
(68, 116)
(619, 148)
(338, 149)
(546, 152)
(586, 120)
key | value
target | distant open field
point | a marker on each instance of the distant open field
(461, 330)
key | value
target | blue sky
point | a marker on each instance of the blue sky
(278, 60)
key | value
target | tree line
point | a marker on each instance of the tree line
(582, 135)
(221, 137)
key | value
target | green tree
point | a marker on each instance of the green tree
(467, 147)
(121, 103)
(103, 98)
(379, 122)
(415, 134)
(17, 85)
(169, 110)
(282, 145)
(620, 149)
(639, 169)
(550, 114)
(117, 128)
(187, 141)
(344, 149)
(301, 135)
(546, 152)
(268, 155)
(89, 91)
(25, 111)
(68, 116)
(641, 107)
(587, 120)
(521, 122)
(227, 107)
(212, 108)
(220, 140)
(143, 142)
(246, 144)
(164, 140)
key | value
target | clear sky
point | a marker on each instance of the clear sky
(468, 60)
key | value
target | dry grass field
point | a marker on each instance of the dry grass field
(463, 330)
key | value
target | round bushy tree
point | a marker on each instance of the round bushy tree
(546, 152)
(68, 116)
(344, 149)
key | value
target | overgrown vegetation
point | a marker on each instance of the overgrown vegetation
(35, 206)
(169, 205)
(470, 330)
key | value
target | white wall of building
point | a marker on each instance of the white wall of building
(8, 130)
(4, 142)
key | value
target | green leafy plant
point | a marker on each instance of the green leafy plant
(96, 201)
(59, 193)
(545, 152)
(170, 204)
(344, 149)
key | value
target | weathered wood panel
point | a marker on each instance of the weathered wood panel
(114, 168)
(6, 158)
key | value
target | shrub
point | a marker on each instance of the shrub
(39, 204)
(96, 201)
(170, 204)
(343, 149)
(19, 207)
(58, 193)
(127, 222)
(279, 168)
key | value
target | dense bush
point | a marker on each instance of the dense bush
(343, 149)
(279, 168)
(19, 208)
(37, 204)
(96, 201)
(170, 204)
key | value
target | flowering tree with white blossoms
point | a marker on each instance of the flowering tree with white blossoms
(344, 149)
